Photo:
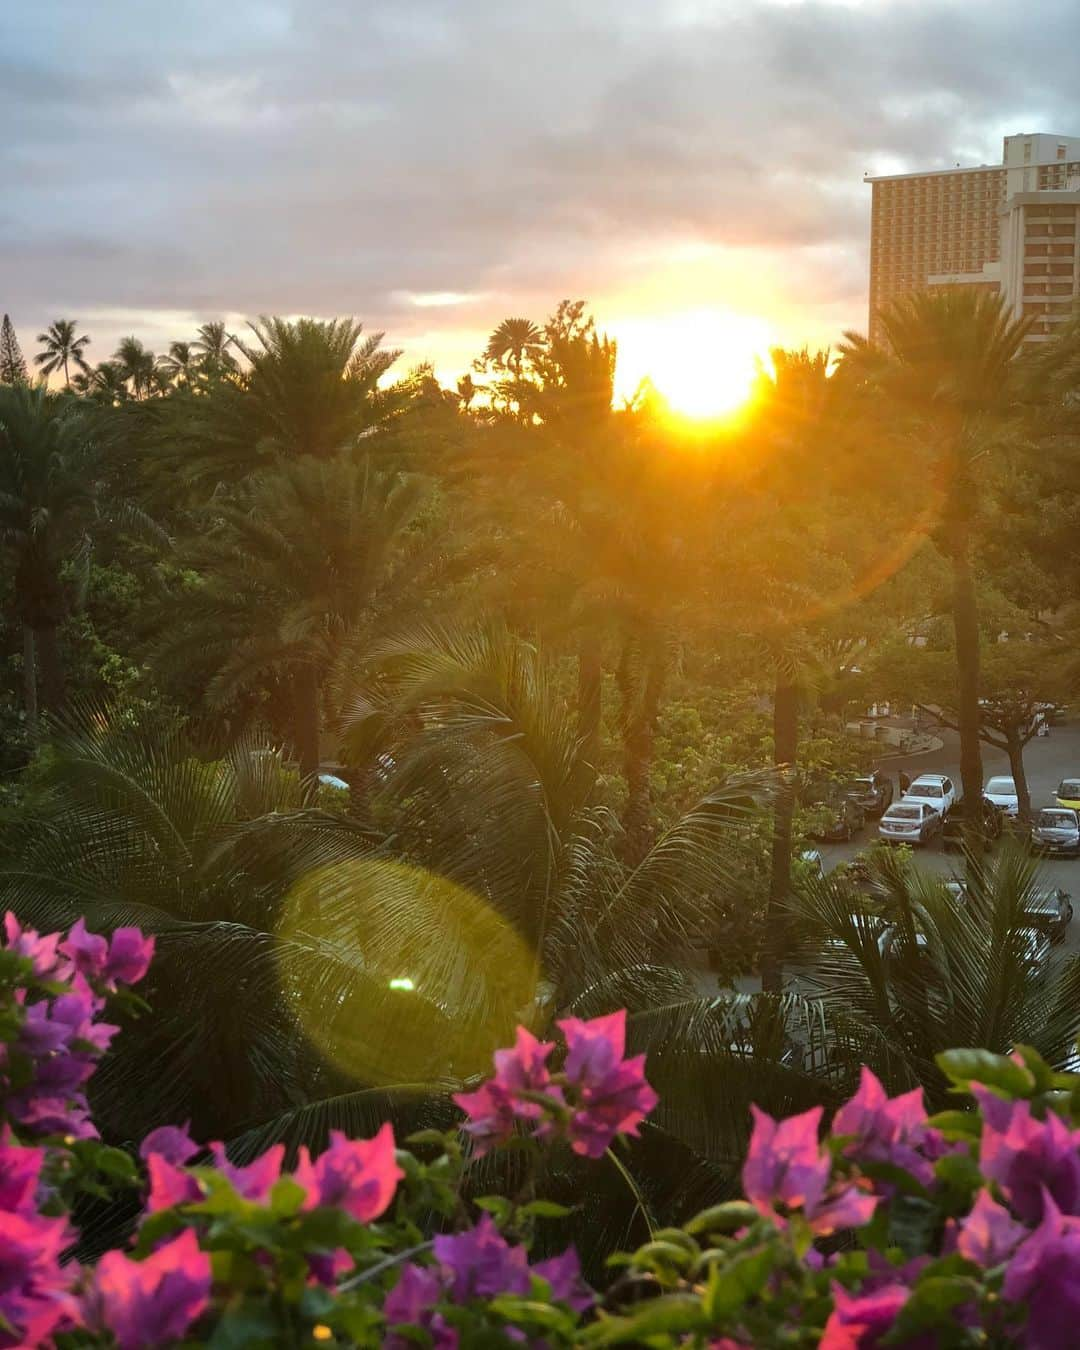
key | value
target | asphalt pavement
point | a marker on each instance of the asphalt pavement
(1047, 760)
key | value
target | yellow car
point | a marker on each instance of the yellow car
(1068, 793)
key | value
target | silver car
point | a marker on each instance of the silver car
(1056, 829)
(907, 822)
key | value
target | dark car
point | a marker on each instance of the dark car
(836, 818)
(873, 793)
(952, 836)
(1056, 829)
(1051, 913)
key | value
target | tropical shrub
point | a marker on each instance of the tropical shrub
(894, 1228)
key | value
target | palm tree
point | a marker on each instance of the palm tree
(512, 343)
(180, 363)
(61, 348)
(106, 383)
(46, 489)
(211, 348)
(136, 364)
(307, 555)
(949, 369)
(467, 390)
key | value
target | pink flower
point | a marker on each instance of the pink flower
(889, 1130)
(860, 1321)
(256, 1181)
(563, 1274)
(169, 1185)
(989, 1234)
(171, 1142)
(42, 952)
(20, 1169)
(358, 1175)
(495, 1107)
(152, 1302)
(88, 952)
(480, 1263)
(1045, 1276)
(130, 955)
(611, 1094)
(785, 1166)
(1028, 1158)
(34, 1297)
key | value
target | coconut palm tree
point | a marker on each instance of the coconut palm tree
(46, 489)
(180, 363)
(948, 369)
(211, 349)
(136, 364)
(61, 348)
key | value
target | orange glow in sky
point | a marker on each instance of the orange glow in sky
(702, 361)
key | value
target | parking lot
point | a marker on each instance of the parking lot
(1047, 759)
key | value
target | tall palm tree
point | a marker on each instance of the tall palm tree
(62, 348)
(211, 348)
(305, 556)
(46, 488)
(180, 363)
(948, 368)
(512, 343)
(106, 383)
(137, 365)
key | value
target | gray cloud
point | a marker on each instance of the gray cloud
(335, 156)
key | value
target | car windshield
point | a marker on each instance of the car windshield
(1057, 820)
(863, 785)
(919, 789)
(902, 813)
(1069, 789)
(1001, 787)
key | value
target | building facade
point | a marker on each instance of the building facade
(1010, 227)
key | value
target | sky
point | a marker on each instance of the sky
(432, 166)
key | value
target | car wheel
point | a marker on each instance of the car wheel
(1068, 914)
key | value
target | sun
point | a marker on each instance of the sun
(703, 362)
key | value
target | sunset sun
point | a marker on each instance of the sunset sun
(703, 362)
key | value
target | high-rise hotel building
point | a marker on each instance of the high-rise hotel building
(1011, 227)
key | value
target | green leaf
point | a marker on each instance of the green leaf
(931, 1305)
(965, 1067)
(956, 1124)
(286, 1197)
(724, 1218)
(498, 1205)
(744, 1277)
(251, 1324)
(546, 1209)
(675, 1314)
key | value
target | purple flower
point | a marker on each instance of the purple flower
(20, 1169)
(480, 1263)
(34, 1297)
(256, 1181)
(152, 1302)
(412, 1303)
(612, 1095)
(563, 1274)
(359, 1176)
(889, 1130)
(1028, 1157)
(989, 1234)
(495, 1107)
(171, 1142)
(42, 952)
(785, 1166)
(87, 952)
(860, 1321)
(169, 1185)
(1045, 1276)
(130, 955)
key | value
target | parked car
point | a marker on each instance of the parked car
(935, 789)
(909, 822)
(1036, 945)
(952, 835)
(1001, 790)
(1068, 793)
(1056, 829)
(873, 792)
(1051, 913)
(839, 817)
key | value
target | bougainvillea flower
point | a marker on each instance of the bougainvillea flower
(563, 1274)
(1044, 1275)
(34, 1295)
(786, 1167)
(42, 952)
(1028, 1157)
(412, 1303)
(989, 1234)
(129, 957)
(52, 1115)
(257, 1180)
(497, 1105)
(860, 1321)
(171, 1142)
(480, 1263)
(612, 1095)
(153, 1302)
(20, 1169)
(169, 1185)
(87, 952)
(889, 1130)
(359, 1176)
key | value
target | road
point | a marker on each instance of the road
(1047, 759)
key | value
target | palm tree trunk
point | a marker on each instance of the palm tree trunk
(590, 676)
(641, 711)
(785, 753)
(51, 665)
(67, 377)
(1016, 767)
(306, 725)
(30, 679)
(966, 630)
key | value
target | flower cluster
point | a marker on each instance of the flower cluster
(599, 1093)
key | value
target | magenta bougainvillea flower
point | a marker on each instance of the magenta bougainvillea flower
(123, 960)
(1027, 1157)
(786, 1168)
(495, 1108)
(151, 1302)
(889, 1130)
(860, 1321)
(41, 952)
(563, 1274)
(171, 1142)
(255, 1181)
(1044, 1276)
(480, 1263)
(412, 1303)
(360, 1176)
(34, 1289)
(989, 1234)
(611, 1094)
(169, 1185)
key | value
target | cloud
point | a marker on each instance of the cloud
(478, 158)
